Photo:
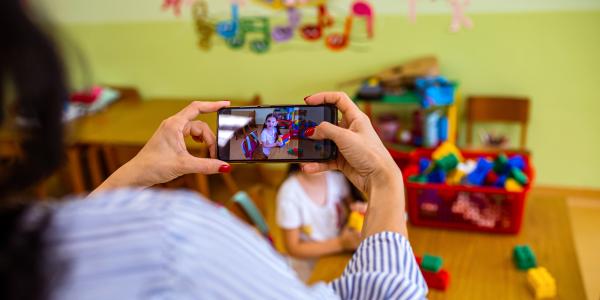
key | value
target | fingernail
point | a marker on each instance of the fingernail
(309, 132)
(225, 169)
(306, 97)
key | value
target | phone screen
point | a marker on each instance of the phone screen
(273, 133)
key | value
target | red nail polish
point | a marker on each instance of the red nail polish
(309, 132)
(225, 169)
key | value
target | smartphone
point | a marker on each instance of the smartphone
(273, 133)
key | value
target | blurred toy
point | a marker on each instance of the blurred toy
(249, 144)
(388, 127)
(512, 185)
(541, 283)
(492, 140)
(431, 263)
(356, 221)
(524, 257)
(370, 90)
(295, 151)
(435, 91)
(477, 177)
(284, 139)
(439, 280)
(417, 128)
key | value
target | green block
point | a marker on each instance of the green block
(501, 164)
(418, 178)
(432, 263)
(523, 257)
(519, 176)
(447, 163)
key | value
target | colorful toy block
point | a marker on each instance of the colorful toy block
(477, 177)
(512, 185)
(524, 257)
(455, 177)
(424, 164)
(445, 149)
(491, 178)
(436, 176)
(431, 263)
(439, 280)
(295, 151)
(541, 283)
(519, 176)
(356, 221)
(517, 161)
(448, 162)
(418, 178)
(285, 139)
(501, 164)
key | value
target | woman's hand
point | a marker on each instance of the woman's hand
(165, 156)
(363, 157)
(365, 162)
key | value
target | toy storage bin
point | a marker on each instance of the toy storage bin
(475, 208)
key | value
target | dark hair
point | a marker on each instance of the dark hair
(265, 124)
(29, 66)
(293, 168)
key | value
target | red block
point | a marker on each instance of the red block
(438, 281)
(491, 177)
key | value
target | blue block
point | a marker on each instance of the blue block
(516, 161)
(437, 176)
(477, 177)
(443, 129)
(424, 164)
(501, 181)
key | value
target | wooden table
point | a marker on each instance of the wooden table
(128, 122)
(481, 264)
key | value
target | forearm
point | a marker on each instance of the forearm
(125, 176)
(315, 249)
(386, 205)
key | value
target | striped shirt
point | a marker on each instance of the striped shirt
(151, 244)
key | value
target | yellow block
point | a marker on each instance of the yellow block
(454, 177)
(446, 148)
(512, 185)
(541, 283)
(356, 221)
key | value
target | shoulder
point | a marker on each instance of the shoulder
(336, 178)
(289, 186)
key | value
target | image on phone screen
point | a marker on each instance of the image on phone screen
(273, 134)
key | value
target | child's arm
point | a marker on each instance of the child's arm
(348, 240)
(265, 141)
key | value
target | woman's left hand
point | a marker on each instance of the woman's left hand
(165, 156)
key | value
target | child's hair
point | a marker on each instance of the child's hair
(271, 115)
(293, 169)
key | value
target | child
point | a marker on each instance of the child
(311, 212)
(269, 135)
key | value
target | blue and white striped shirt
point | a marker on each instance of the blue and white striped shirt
(151, 244)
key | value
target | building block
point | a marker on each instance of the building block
(455, 177)
(524, 257)
(439, 280)
(424, 164)
(519, 176)
(477, 177)
(356, 221)
(491, 178)
(512, 185)
(447, 162)
(437, 176)
(516, 161)
(418, 178)
(468, 166)
(295, 151)
(431, 263)
(501, 182)
(542, 284)
(445, 149)
(501, 164)
(285, 139)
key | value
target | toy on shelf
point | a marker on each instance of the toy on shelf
(388, 127)
(438, 279)
(356, 221)
(541, 283)
(435, 91)
(249, 144)
(524, 257)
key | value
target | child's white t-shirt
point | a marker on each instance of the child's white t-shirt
(267, 138)
(316, 222)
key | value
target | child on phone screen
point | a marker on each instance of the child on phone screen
(269, 135)
(312, 210)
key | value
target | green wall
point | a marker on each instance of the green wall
(553, 57)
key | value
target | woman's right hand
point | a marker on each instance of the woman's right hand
(362, 156)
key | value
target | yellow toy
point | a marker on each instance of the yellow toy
(282, 4)
(512, 185)
(455, 177)
(445, 149)
(356, 221)
(541, 282)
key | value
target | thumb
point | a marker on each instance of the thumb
(205, 165)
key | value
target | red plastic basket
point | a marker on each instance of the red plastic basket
(475, 208)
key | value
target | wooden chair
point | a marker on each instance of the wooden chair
(498, 109)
